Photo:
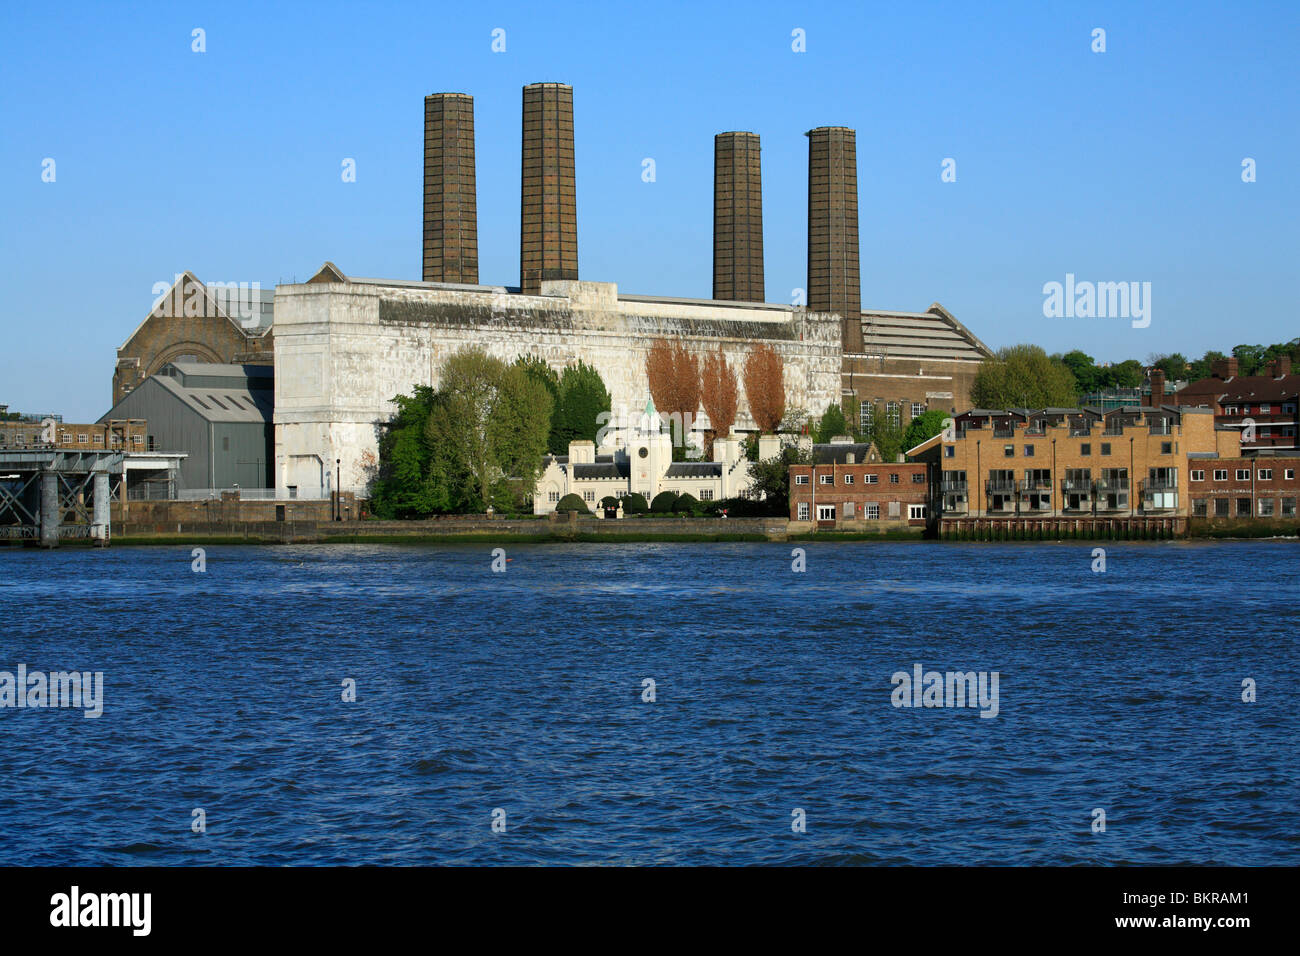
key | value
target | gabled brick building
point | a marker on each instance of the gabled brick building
(1265, 408)
(848, 487)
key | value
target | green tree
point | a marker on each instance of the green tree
(582, 399)
(486, 433)
(887, 437)
(1087, 377)
(771, 479)
(400, 488)
(832, 423)
(1022, 376)
(1250, 359)
(1126, 374)
(924, 426)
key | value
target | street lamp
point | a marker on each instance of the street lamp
(338, 489)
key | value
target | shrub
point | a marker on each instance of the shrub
(663, 503)
(686, 504)
(609, 501)
(571, 502)
(635, 504)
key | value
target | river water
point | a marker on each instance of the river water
(522, 698)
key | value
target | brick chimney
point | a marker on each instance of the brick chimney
(548, 240)
(737, 218)
(1157, 387)
(450, 207)
(1225, 368)
(833, 280)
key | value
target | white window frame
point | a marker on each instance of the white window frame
(848, 479)
(1198, 474)
(915, 512)
(803, 511)
(1243, 474)
(1220, 474)
(871, 511)
(801, 479)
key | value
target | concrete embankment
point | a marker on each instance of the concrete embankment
(452, 529)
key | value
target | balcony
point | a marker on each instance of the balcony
(1080, 431)
(1112, 431)
(1035, 484)
(1160, 427)
(1076, 486)
(1110, 485)
(1000, 486)
(1004, 431)
(953, 487)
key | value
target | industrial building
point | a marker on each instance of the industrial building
(218, 416)
(344, 346)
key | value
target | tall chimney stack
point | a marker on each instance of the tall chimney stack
(737, 218)
(833, 279)
(450, 203)
(548, 236)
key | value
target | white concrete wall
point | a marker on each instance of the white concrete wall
(339, 364)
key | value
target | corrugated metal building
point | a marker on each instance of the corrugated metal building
(219, 415)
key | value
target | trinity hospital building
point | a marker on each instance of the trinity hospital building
(340, 347)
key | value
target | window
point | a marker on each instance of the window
(825, 512)
(870, 479)
(949, 451)
(918, 409)
(848, 479)
(1229, 409)
(893, 478)
(1288, 507)
(1266, 507)
(1288, 408)
(588, 496)
(1243, 507)
(1220, 507)
(1105, 448)
(871, 511)
(1243, 474)
(1220, 474)
(83, 439)
(915, 512)
(1264, 474)
(801, 479)
(918, 478)
(803, 511)
(1166, 448)
(706, 494)
(1289, 474)
(893, 414)
(1198, 475)
(1085, 448)
(216, 401)
(1029, 451)
(1008, 451)
(1199, 507)
(225, 443)
(826, 479)
(554, 497)
(867, 415)
(1266, 409)
(99, 440)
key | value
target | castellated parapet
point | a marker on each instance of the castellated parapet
(345, 347)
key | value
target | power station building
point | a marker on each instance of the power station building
(344, 346)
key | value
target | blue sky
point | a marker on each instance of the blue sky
(1115, 166)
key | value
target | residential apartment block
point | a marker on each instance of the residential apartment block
(1072, 462)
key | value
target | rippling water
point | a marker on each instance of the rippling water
(522, 691)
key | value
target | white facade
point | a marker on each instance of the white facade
(345, 347)
(636, 457)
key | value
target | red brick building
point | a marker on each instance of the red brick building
(848, 487)
(1265, 407)
(1261, 487)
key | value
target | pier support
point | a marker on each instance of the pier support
(49, 509)
(99, 531)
